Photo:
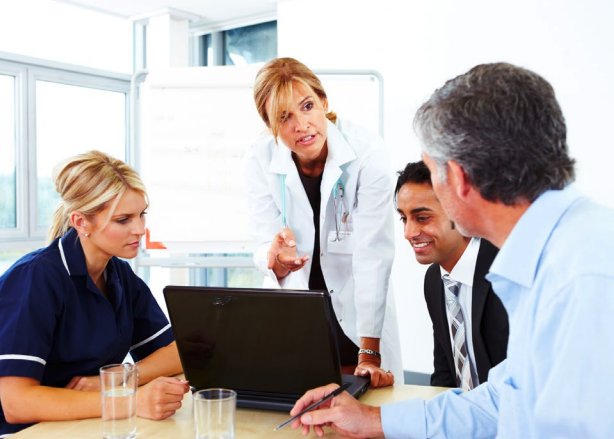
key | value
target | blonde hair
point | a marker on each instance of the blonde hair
(274, 83)
(88, 183)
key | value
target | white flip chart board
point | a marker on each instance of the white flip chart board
(194, 127)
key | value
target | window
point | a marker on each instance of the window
(239, 46)
(8, 192)
(72, 120)
(207, 51)
(48, 112)
(250, 44)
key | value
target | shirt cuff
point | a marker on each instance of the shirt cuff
(146, 347)
(22, 366)
(404, 420)
(279, 283)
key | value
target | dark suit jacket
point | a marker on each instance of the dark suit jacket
(490, 327)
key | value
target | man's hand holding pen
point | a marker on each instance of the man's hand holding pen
(343, 413)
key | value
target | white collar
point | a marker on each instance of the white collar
(62, 255)
(464, 269)
(339, 152)
(61, 247)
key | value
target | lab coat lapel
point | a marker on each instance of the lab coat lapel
(296, 198)
(339, 153)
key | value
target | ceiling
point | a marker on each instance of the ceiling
(201, 11)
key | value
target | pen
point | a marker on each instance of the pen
(315, 404)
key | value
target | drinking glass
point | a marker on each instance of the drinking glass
(118, 385)
(214, 413)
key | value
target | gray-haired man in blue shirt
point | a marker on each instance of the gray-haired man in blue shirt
(494, 139)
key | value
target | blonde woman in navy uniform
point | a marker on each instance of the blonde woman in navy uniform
(320, 191)
(74, 306)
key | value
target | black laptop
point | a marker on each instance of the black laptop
(270, 346)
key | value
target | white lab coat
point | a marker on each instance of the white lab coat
(357, 277)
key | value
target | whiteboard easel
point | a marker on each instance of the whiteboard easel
(192, 127)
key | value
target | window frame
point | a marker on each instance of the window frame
(225, 39)
(27, 71)
(19, 73)
(216, 33)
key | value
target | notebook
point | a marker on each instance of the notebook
(270, 346)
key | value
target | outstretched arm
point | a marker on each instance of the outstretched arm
(282, 257)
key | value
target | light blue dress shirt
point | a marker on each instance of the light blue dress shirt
(555, 277)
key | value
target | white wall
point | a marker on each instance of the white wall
(417, 45)
(66, 33)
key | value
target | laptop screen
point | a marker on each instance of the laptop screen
(254, 340)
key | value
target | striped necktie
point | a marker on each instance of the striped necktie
(466, 378)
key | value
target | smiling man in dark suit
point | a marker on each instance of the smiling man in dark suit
(470, 325)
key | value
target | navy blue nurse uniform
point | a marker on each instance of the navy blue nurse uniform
(55, 323)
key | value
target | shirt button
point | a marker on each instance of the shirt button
(322, 254)
(332, 291)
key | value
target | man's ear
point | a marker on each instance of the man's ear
(458, 179)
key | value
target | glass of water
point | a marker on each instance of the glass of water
(118, 384)
(214, 413)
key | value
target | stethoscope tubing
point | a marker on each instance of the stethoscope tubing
(338, 192)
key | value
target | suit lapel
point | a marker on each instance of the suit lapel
(480, 291)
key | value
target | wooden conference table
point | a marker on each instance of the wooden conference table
(249, 423)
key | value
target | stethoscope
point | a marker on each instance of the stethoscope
(340, 214)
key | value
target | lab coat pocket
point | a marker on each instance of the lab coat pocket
(343, 242)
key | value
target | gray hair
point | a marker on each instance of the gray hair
(503, 126)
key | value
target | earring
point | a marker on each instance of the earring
(87, 235)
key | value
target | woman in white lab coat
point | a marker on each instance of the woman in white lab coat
(320, 192)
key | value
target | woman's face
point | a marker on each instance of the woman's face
(122, 234)
(303, 128)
